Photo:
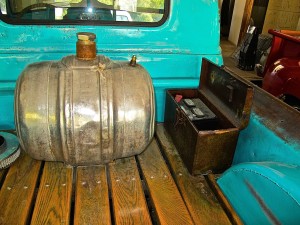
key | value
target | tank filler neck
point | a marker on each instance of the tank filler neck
(86, 46)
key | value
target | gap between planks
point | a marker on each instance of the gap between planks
(129, 202)
(198, 197)
(18, 191)
(167, 201)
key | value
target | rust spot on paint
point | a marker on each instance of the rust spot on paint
(263, 205)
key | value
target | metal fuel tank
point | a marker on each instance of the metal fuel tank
(84, 109)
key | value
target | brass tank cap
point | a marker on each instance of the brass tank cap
(86, 46)
(86, 36)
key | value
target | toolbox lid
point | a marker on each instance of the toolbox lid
(227, 92)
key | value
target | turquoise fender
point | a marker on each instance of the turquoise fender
(263, 185)
(264, 192)
(171, 53)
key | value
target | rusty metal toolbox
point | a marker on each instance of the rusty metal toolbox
(206, 137)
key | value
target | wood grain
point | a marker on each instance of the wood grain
(17, 192)
(53, 202)
(235, 219)
(91, 196)
(128, 198)
(2, 174)
(202, 205)
(167, 201)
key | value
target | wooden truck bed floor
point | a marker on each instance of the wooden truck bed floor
(151, 188)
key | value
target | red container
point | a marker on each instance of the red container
(282, 70)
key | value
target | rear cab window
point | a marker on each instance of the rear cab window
(112, 12)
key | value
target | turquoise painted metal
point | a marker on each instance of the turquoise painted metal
(264, 192)
(258, 143)
(171, 53)
(263, 185)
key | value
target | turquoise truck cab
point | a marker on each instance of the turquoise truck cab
(169, 38)
(171, 56)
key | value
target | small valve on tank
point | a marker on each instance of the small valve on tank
(133, 61)
(86, 46)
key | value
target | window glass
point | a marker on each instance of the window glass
(3, 6)
(69, 11)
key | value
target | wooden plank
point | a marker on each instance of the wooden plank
(235, 219)
(17, 192)
(91, 196)
(202, 205)
(167, 201)
(128, 198)
(53, 203)
(2, 176)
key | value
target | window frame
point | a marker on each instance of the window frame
(17, 21)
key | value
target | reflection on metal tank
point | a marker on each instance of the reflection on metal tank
(84, 111)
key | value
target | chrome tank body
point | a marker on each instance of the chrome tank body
(84, 112)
